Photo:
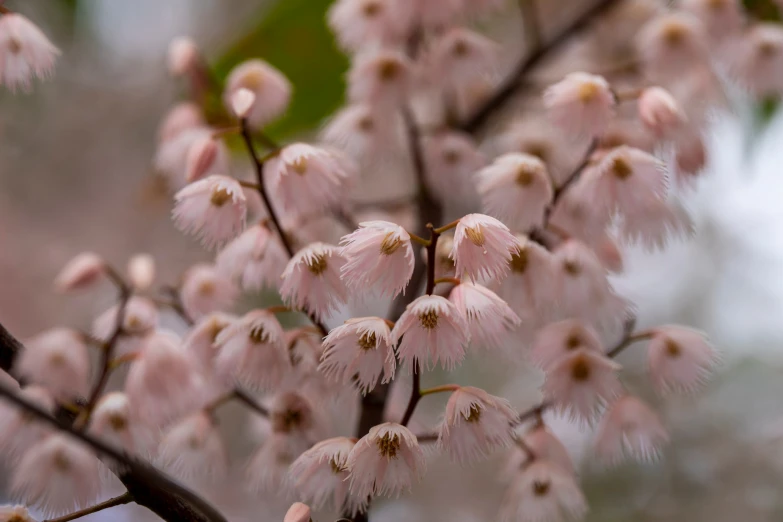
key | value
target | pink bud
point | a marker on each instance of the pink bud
(183, 56)
(630, 428)
(82, 271)
(200, 158)
(242, 101)
(204, 291)
(24, 51)
(381, 78)
(141, 271)
(659, 111)
(271, 88)
(59, 360)
(582, 104)
(183, 116)
(298, 512)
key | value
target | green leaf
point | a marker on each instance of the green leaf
(765, 10)
(293, 37)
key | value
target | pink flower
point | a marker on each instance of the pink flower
(654, 222)
(516, 188)
(475, 424)
(757, 60)
(364, 132)
(490, 320)
(672, 44)
(557, 340)
(576, 215)
(256, 259)
(83, 271)
(201, 157)
(183, 55)
(460, 55)
(18, 431)
(531, 279)
(271, 88)
(268, 467)
(660, 112)
(451, 159)
(58, 475)
(385, 461)
(311, 281)
(430, 330)
(306, 178)
(382, 78)
(537, 137)
(624, 179)
(581, 283)
(141, 318)
(193, 450)
(630, 428)
(111, 421)
(201, 339)
(171, 158)
(320, 475)
(437, 14)
(59, 360)
(296, 416)
(163, 383)
(213, 209)
(581, 383)
(679, 358)
(204, 291)
(251, 350)
(359, 24)
(581, 104)
(181, 117)
(483, 247)
(15, 514)
(25, 51)
(298, 512)
(722, 18)
(141, 271)
(360, 349)
(545, 446)
(543, 492)
(379, 254)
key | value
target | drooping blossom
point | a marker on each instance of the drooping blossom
(268, 467)
(182, 55)
(756, 60)
(654, 222)
(672, 44)
(630, 428)
(459, 55)
(490, 320)
(255, 260)
(25, 51)
(57, 475)
(537, 137)
(386, 461)
(57, 359)
(679, 359)
(581, 383)
(531, 278)
(140, 319)
(181, 117)
(475, 424)
(483, 247)
(556, 340)
(451, 158)
(444, 265)
(546, 446)
(15, 514)
(377, 255)
(171, 158)
(271, 88)
(311, 281)
(516, 189)
(111, 421)
(359, 24)
(431, 330)
(543, 492)
(201, 157)
(360, 349)
(581, 104)
(304, 178)
(723, 19)
(581, 283)
(83, 271)
(213, 209)
(438, 14)
(298, 512)
(625, 178)
(298, 418)
(18, 431)
(251, 351)
(205, 290)
(141, 271)
(163, 382)
(364, 132)
(320, 475)
(660, 112)
(381, 78)
(193, 450)
(576, 215)
(201, 340)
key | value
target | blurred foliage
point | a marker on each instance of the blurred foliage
(763, 9)
(293, 37)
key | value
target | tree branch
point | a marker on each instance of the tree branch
(125, 498)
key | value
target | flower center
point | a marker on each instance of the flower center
(368, 341)
(476, 235)
(366, 124)
(674, 34)
(220, 197)
(288, 420)
(673, 349)
(300, 165)
(15, 46)
(337, 466)
(572, 268)
(317, 265)
(588, 92)
(371, 9)
(215, 327)
(389, 445)
(621, 169)
(390, 244)
(460, 49)
(206, 288)
(61, 462)
(537, 149)
(541, 487)
(451, 156)
(388, 70)
(573, 341)
(519, 261)
(580, 371)
(258, 335)
(133, 322)
(767, 49)
(474, 415)
(17, 518)
(429, 319)
(253, 80)
(56, 360)
(118, 422)
(525, 176)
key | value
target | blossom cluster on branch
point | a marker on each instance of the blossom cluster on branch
(524, 275)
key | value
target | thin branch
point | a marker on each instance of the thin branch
(125, 498)
(143, 473)
(509, 86)
(177, 306)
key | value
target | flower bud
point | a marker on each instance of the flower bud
(659, 111)
(81, 272)
(242, 101)
(201, 156)
(183, 55)
(141, 271)
(298, 512)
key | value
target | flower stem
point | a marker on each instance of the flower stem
(447, 227)
(125, 498)
(451, 280)
(439, 389)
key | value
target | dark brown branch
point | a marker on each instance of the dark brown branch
(242, 396)
(125, 498)
(10, 348)
(515, 79)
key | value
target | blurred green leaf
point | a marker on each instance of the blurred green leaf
(293, 37)
(763, 9)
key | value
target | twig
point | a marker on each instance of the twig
(509, 86)
(240, 395)
(125, 498)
